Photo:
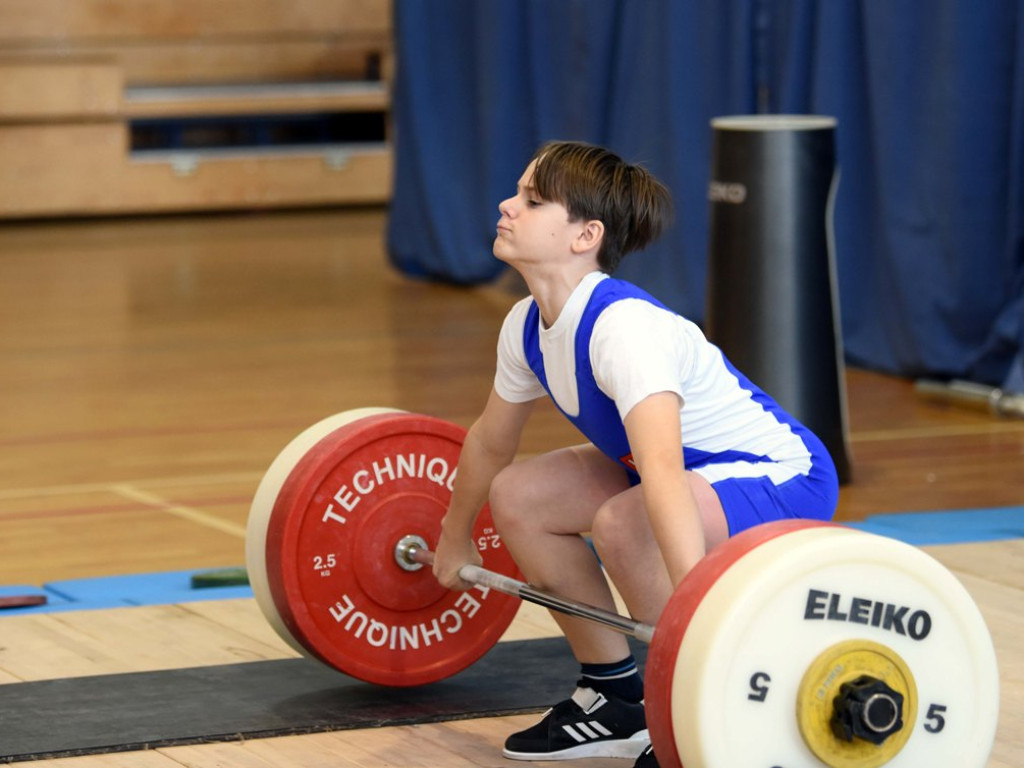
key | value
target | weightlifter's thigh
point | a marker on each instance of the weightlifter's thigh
(556, 492)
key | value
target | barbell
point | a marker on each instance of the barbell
(795, 643)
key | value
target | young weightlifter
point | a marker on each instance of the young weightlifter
(684, 451)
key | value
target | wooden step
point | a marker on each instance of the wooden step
(34, 88)
(88, 168)
(253, 99)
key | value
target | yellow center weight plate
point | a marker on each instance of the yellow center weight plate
(840, 664)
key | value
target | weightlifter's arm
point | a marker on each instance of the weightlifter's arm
(654, 432)
(489, 447)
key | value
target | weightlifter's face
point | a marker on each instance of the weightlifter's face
(531, 229)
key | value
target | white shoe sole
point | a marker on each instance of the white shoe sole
(624, 748)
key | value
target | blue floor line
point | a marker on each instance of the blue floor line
(949, 527)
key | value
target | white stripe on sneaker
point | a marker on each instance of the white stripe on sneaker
(601, 729)
(574, 734)
(581, 732)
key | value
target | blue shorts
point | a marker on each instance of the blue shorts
(750, 501)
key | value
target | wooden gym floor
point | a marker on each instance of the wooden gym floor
(152, 369)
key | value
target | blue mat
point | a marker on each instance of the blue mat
(142, 589)
(120, 591)
(951, 527)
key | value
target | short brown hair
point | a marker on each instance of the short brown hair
(594, 183)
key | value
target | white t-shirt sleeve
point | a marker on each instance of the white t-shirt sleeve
(637, 350)
(514, 380)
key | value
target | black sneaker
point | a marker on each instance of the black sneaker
(646, 759)
(587, 725)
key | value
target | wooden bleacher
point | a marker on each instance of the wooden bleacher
(113, 107)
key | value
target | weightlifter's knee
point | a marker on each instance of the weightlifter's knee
(621, 533)
(510, 500)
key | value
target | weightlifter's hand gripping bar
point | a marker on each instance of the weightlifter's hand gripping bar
(412, 552)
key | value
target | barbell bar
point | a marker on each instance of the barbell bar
(413, 550)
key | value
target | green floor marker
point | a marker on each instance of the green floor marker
(220, 577)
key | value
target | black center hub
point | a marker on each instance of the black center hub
(866, 708)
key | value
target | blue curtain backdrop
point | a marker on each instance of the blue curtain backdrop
(929, 96)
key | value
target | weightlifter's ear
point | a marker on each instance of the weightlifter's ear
(590, 237)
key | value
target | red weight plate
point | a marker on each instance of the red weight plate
(675, 619)
(331, 561)
(262, 508)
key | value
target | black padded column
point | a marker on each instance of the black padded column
(772, 302)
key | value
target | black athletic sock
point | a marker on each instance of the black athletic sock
(620, 679)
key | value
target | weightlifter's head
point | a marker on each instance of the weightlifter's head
(594, 183)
